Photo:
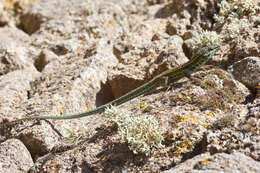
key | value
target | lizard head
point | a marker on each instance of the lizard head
(208, 51)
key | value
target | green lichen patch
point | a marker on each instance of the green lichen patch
(222, 91)
(223, 122)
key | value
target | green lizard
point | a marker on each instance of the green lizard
(168, 77)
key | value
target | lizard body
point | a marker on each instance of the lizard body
(168, 77)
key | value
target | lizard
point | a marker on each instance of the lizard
(257, 88)
(165, 78)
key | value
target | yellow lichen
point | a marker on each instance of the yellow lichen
(144, 105)
(207, 160)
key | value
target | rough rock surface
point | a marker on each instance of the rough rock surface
(63, 57)
(247, 71)
(14, 156)
(220, 162)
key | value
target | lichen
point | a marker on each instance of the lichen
(221, 91)
(235, 26)
(206, 38)
(142, 133)
(233, 15)
(223, 122)
(235, 9)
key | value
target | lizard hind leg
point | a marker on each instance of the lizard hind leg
(193, 78)
(165, 83)
(188, 73)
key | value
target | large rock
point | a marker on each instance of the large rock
(220, 162)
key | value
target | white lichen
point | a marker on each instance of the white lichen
(235, 9)
(233, 15)
(142, 133)
(73, 132)
(206, 38)
(234, 28)
(90, 6)
(244, 7)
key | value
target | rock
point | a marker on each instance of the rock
(160, 54)
(3, 15)
(13, 51)
(14, 157)
(220, 162)
(255, 107)
(39, 139)
(14, 88)
(16, 69)
(247, 71)
(245, 44)
(43, 59)
(89, 52)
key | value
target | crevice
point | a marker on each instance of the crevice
(105, 95)
(40, 62)
(35, 147)
(250, 98)
(199, 148)
(30, 23)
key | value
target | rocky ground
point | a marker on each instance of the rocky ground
(60, 57)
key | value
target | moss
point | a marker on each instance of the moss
(207, 84)
(213, 99)
(221, 91)
(221, 74)
(223, 122)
